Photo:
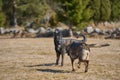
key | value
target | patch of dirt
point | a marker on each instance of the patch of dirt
(34, 59)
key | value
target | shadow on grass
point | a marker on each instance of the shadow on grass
(53, 71)
(46, 64)
(5, 38)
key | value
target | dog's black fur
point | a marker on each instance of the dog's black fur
(57, 38)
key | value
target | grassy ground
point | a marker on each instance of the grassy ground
(34, 58)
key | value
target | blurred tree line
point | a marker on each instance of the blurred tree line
(49, 12)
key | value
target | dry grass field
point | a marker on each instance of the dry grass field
(34, 59)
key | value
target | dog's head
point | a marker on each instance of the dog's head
(58, 38)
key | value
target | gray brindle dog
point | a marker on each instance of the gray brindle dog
(76, 49)
(80, 51)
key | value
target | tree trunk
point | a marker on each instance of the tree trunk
(14, 14)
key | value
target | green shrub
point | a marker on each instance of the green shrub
(2, 19)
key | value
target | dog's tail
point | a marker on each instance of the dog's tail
(84, 38)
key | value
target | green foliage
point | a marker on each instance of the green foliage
(26, 10)
(105, 10)
(96, 4)
(87, 14)
(2, 16)
(7, 8)
(31, 8)
(2, 19)
(78, 13)
(0, 5)
(54, 20)
(115, 6)
(81, 26)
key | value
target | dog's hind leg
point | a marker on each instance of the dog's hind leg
(72, 62)
(86, 65)
(79, 63)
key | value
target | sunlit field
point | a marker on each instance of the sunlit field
(34, 59)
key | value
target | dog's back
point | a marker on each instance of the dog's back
(80, 50)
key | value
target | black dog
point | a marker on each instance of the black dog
(59, 46)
